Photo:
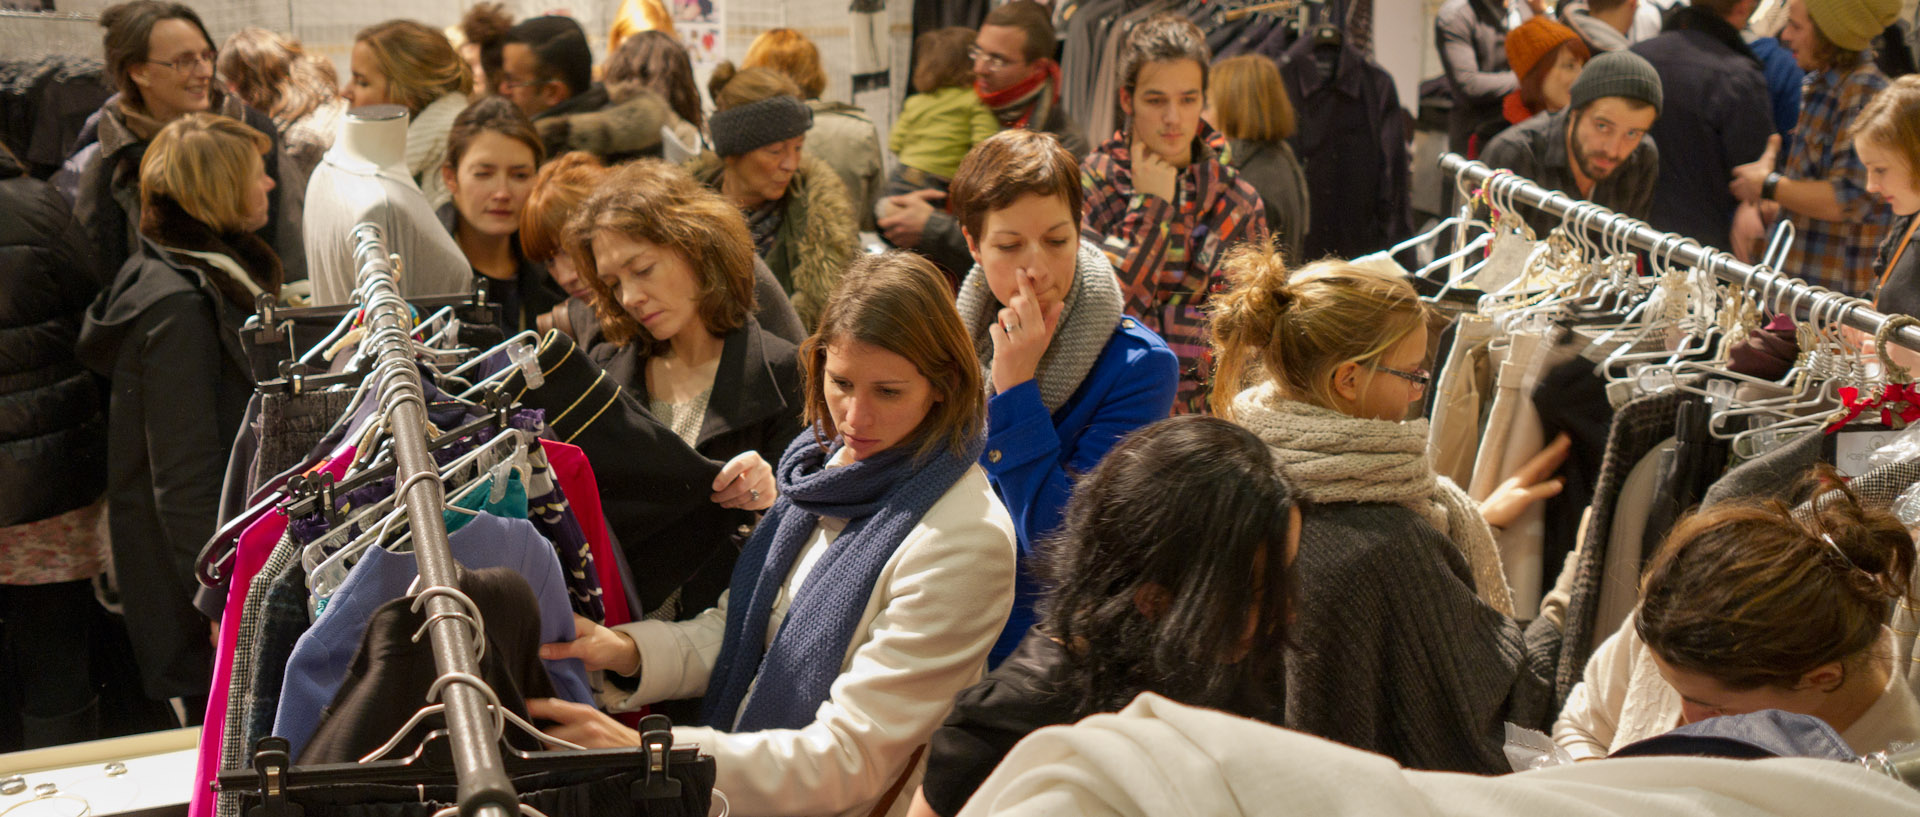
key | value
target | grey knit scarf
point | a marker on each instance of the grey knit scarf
(1093, 309)
(1331, 457)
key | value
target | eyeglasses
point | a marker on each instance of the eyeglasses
(994, 61)
(188, 63)
(516, 84)
(1418, 377)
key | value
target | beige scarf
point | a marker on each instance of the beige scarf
(1331, 457)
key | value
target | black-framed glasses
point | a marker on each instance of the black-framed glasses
(187, 63)
(994, 61)
(1418, 377)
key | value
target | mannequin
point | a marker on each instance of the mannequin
(364, 178)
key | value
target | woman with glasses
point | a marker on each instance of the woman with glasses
(1404, 644)
(401, 62)
(163, 64)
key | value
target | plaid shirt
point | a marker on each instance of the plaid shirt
(1168, 253)
(1837, 255)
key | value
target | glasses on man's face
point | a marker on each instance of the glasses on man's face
(994, 61)
(188, 63)
(1418, 377)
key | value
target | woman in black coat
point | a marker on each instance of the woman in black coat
(166, 333)
(53, 460)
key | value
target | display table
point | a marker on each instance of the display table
(148, 775)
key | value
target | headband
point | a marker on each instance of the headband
(745, 128)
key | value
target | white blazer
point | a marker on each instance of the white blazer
(933, 615)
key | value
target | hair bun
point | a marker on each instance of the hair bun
(722, 74)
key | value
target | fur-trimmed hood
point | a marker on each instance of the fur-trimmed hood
(818, 234)
(628, 127)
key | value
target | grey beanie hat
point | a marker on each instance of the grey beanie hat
(1617, 73)
(745, 128)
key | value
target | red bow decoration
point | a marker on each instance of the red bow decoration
(1899, 405)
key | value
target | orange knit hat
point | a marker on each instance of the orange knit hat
(1534, 39)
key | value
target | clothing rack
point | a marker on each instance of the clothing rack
(1771, 287)
(452, 621)
(1229, 15)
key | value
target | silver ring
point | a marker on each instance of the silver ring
(755, 493)
(1010, 328)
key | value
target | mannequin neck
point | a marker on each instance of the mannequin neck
(376, 134)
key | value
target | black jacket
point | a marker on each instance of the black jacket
(1352, 145)
(1900, 294)
(1017, 698)
(1717, 116)
(169, 341)
(53, 426)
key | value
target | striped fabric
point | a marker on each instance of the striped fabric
(1167, 253)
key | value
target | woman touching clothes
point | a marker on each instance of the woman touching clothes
(887, 557)
(1070, 373)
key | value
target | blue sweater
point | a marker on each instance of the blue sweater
(1784, 78)
(1031, 457)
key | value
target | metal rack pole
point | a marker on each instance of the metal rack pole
(1671, 247)
(483, 784)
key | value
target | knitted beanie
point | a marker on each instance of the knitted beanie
(1618, 73)
(745, 128)
(1534, 40)
(1852, 24)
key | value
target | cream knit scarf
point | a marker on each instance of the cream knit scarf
(1091, 316)
(1330, 457)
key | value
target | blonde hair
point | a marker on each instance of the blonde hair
(791, 53)
(636, 16)
(1250, 100)
(1892, 119)
(206, 164)
(420, 63)
(1296, 327)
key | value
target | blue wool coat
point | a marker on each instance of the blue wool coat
(1032, 457)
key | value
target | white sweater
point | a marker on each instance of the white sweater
(1622, 699)
(427, 145)
(930, 620)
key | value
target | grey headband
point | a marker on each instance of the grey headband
(755, 125)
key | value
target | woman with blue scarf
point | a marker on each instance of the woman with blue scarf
(868, 596)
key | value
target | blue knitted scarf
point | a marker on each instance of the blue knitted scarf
(883, 497)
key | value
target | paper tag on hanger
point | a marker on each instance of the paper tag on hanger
(1853, 450)
(522, 355)
(1505, 263)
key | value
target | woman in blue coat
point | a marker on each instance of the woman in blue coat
(1070, 373)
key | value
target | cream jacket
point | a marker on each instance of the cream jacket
(930, 620)
(427, 145)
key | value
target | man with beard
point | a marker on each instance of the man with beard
(1596, 148)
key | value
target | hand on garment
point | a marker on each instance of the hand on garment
(597, 647)
(581, 724)
(745, 482)
(1750, 177)
(1528, 485)
(1021, 335)
(906, 223)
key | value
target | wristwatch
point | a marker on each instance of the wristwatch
(1767, 187)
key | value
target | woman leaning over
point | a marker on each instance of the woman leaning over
(1403, 641)
(887, 557)
(166, 332)
(405, 63)
(1069, 372)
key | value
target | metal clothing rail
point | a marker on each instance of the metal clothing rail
(1769, 286)
(452, 620)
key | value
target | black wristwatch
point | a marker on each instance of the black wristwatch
(1767, 187)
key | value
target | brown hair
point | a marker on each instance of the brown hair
(493, 114)
(1164, 37)
(1032, 19)
(1296, 327)
(1531, 85)
(1892, 119)
(274, 74)
(1013, 163)
(1250, 100)
(899, 301)
(557, 193)
(657, 61)
(485, 27)
(636, 16)
(205, 164)
(1827, 53)
(129, 29)
(941, 61)
(1758, 594)
(732, 88)
(789, 52)
(420, 64)
(655, 202)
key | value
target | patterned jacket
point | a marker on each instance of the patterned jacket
(1837, 255)
(1168, 253)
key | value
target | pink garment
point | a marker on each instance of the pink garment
(575, 476)
(255, 545)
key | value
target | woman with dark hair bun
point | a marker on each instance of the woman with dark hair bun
(1171, 575)
(1758, 606)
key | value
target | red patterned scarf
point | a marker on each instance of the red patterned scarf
(1029, 100)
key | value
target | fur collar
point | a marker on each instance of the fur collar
(818, 235)
(170, 226)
